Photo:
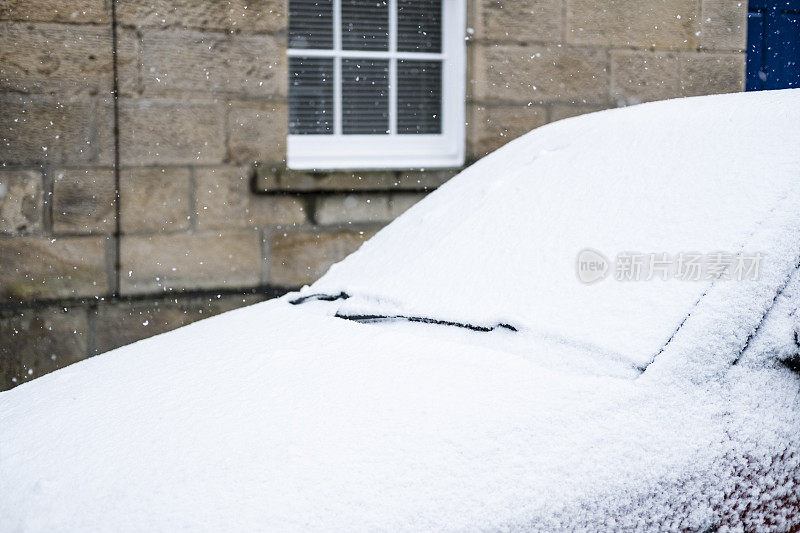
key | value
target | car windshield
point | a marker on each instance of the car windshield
(605, 230)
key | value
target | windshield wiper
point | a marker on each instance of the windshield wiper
(322, 297)
(424, 320)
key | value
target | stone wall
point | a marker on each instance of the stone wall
(209, 216)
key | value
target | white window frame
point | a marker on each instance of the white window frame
(337, 151)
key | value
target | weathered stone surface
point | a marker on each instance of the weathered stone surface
(105, 132)
(399, 203)
(20, 201)
(129, 58)
(241, 15)
(359, 208)
(160, 263)
(66, 59)
(723, 25)
(520, 20)
(646, 76)
(274, 178)
(83, 201)
(536, 73)
(423, 180)
(155, 199)
(712, 73)
(171, 132)
(77, 11)
(352, 208)
(257, 131)
(223, 199)
(32, 267)
(121, 323)
(561, 111)
(34, 342)
(190, 61)
(670, 24)
(46, 130)
(300, 258)
(493, 126)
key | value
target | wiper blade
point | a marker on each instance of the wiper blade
(370, 317)
(425, 320)
(320, 297)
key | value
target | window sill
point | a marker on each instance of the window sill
(373, 152)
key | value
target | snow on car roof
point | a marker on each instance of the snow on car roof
(498, 243)
(277, 417)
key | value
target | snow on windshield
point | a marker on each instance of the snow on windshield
(498, 244)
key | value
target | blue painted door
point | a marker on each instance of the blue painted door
(773, 44)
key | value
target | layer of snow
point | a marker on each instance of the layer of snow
(498, 243)
(281, 417)
(276, 418)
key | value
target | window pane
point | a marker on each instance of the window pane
(365, 96)
(311, 24)
(419, 25)
(365, 25)
(419, 97)
(310, 95)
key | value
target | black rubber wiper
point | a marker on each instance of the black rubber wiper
(424, 320)
(322, 297)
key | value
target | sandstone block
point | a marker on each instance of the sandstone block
(723, 25)
(493, 126)
(65, 59)
(644, 76)
(155, 199)
(121, 323)
(171, 132)
(129, 58)
(423, 180)
(47, 130)
(278, 178)
(665, 24)
(297, 259)
(537, 73)
(353, 208)
(77, 11)
(361, 208)
(241, 15)
(399, 203)
(33, 268)
(257, 132)
(189, 61)
(224, 199)
(561, 111)
(20, 201)
(34, 342)
(712, 73)
(174, 262)
(83, 201)
(520, 20)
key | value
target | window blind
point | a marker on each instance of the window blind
(419, 26)
(393, 88)
(419, 97)
(365, 25)
(311, 24)
(310, 95)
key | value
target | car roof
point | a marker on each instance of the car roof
(280, 417)
(498, 244)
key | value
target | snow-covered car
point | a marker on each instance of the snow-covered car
(595, 327)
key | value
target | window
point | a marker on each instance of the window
(376, 84)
